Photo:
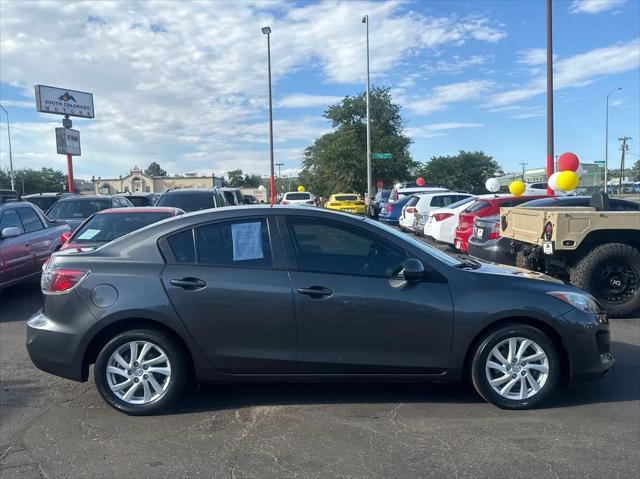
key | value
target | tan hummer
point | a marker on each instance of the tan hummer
(596, 249)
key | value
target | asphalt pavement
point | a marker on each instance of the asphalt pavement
(55, 428)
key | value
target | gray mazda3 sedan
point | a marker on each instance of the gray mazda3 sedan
(260, 293)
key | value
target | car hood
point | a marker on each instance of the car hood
(504, 270)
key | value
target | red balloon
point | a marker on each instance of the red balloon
(568, 161)
(379, 184)
(420, 182)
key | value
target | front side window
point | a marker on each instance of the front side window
(10, 219)
(30, 220)
(327, 247)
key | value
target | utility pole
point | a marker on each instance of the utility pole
(624, 148)
(272, 182)
(523, 163)
(549, 96)
(365, 20)
(11, 175)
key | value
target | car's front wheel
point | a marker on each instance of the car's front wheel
(515, 367)
(140, 372)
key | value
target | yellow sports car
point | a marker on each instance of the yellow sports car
(347, 202)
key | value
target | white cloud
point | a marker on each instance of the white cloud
(533, 56)
(576, 71)
(594, 6)
(184, 83)
(302, 100)
(437, 129)
(444, 95)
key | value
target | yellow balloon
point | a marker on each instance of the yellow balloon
(300, 188)
(567, 180)
(517, 188)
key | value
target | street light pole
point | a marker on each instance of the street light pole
(549, 95)
(272, 181)
(365, 20)
(11, 176)
(606, 142)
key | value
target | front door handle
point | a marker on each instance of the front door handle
(191, 284)
(316, 291)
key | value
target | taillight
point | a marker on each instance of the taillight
(388, 208)
(64, 237)
(442, 216)
(495, 231)
(548, 231)
(61, 280)
(411, 209)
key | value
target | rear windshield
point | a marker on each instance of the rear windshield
(347, 198)
(188, 202)
(43, 202)
(477, 206)
(461, 202)
(141, 200)
(297, 196)
(77, 208)
(107, 227)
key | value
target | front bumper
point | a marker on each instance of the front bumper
(388, 220)
(587, 343)
(54, 348)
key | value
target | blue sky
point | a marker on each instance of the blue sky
(184, 83)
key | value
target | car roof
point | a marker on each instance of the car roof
(191, 191)
(84, 197)
(137, 193)
(44, 195)
(140, 209)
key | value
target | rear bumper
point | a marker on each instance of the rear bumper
(389, 221)
(53, 348)
(495, 250)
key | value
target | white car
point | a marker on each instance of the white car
(427, 202)
(408, 211)
(442, 223)
(298, 198)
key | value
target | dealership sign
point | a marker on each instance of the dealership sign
(68, 141)
(61, 101)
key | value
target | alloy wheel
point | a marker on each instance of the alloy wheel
(138, 372)
(517, 368)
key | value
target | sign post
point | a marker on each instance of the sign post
(61, 101)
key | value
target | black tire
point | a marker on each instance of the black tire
(176, 361)
(478, 366)
(623, 261)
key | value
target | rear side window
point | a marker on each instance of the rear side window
(621, 205)
(10, 219)
(412, 201)
(234, 243)
(477, 206)
(181, 245)
(30, 220)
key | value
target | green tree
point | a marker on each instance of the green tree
(154, 169)
(235, 178)
(251, 181)
(636, 170)
(467, 171)
(30, 181)
(336, 162)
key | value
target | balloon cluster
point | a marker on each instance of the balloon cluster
(568, 175)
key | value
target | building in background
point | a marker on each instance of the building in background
(137, 181)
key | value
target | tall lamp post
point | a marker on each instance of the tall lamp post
(365, 20)
(549, 95)
(13, 180)
(606, 141)
(272, 181)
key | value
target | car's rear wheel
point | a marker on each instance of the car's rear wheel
(515, 367)
(140, 372)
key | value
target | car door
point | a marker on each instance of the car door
(354, 314)
(16, 260)
(37, 233)
(228, 284)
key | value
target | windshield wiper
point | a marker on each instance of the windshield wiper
(467, 262)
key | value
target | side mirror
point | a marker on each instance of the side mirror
(11, 232)
(413, 269)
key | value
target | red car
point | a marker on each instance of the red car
(110, 224)
(484, 207)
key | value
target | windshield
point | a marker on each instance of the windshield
(188, 202)
(103, 228)
(297, 196)
(77, 208)
(43, 202)
(347, 198)
(439, 255)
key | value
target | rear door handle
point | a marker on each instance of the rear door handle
(189, 283)
(316, 291)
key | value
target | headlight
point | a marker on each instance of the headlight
(580, 301)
